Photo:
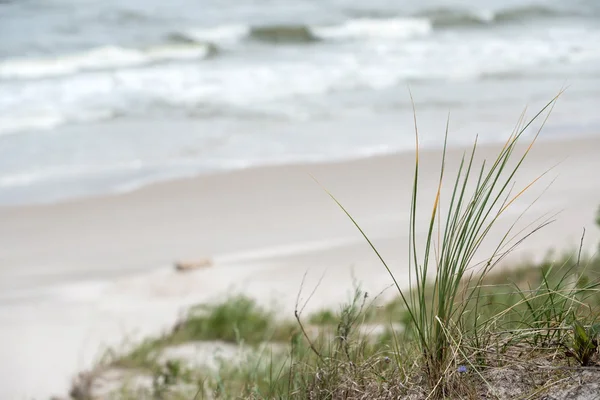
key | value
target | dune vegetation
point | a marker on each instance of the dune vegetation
(461, 329)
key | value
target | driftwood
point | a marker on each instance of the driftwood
(185, 266)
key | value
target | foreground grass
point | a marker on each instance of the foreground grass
(531, 311)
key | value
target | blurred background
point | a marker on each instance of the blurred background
(106, 96)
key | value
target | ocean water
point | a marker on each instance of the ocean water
(101, 97)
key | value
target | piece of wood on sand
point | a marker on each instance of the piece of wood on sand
(192, 265)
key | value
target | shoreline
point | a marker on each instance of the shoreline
(126, 187)
(550, 141)
(263, 227)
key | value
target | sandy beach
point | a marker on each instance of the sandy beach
(85, 274)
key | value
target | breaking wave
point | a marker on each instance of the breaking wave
(456, 17)
(360, 28)
(102, 58)
(367, 26)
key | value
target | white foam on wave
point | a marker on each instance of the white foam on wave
(360, 28)
(370, 28)
(45, 119)
(219, 34)
(21, 179)
(486, 16)
(41, 121)
(272, 87)
(107, 57)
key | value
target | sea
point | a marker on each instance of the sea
(100, 97)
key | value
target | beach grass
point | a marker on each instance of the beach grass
(529, 315)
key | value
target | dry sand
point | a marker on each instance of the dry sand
(79, 275)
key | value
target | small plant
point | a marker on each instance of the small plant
(239, 319)
(585, 343)
(167, 377)
(349, 317)
(142, 356)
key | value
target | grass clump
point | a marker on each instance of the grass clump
(238, 320)
(442, 281)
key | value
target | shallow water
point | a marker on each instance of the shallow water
(99, 97)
